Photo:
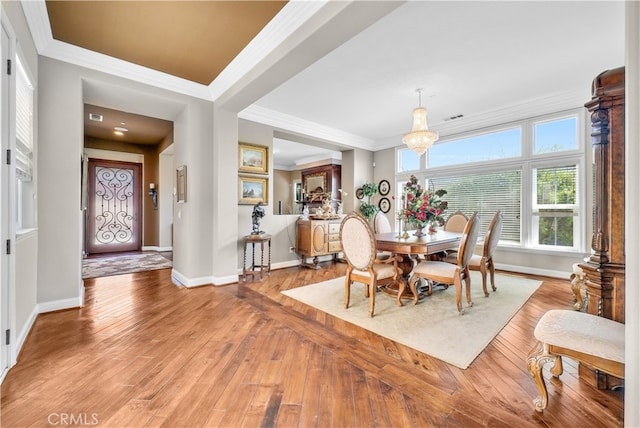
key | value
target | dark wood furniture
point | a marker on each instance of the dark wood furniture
(320, 182)
(605, 268)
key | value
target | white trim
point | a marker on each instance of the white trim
(286, 264)
(156, 248)
(533, 271)
(38, 20)
(58, 305)
(293, 16)
(265, 116)
(632, 207)
(114, 156)
(21, 337)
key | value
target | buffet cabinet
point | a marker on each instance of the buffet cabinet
(317, 237)
(605, 268)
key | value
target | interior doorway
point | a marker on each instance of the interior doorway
(114, 206)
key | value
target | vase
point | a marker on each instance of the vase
(433, 228)
(419, 231)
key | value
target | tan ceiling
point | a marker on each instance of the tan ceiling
(141, 129)
(194, 40)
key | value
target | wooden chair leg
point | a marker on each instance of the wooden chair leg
(483, 272)
(372, 297)
(401, 287)
(467, 283)
(347, 291)
(458, 284)
(492, 271)
(537, 358)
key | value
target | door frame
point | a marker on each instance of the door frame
(136, 244)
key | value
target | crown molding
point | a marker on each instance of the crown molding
(255, 113)
(294, 15)
(507, 114)
(38, 21)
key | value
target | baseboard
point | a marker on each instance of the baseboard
(58, 305)
(288, 263)
(533, 271)
(159, 249)
(22, 336)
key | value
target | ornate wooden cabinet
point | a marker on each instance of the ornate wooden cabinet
(605, 268)
(317, 238)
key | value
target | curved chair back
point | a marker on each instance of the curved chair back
(381, 223)
(468, 240)
(358, 241)
(456, 222)
(493, 235)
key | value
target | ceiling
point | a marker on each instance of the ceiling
(481, 62)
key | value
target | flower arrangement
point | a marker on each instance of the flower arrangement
(423, 207)
(367, 209)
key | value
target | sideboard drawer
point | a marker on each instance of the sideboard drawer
(335, 246)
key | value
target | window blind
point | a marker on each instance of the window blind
(24, 125)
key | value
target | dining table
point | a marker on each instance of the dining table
(411, 247)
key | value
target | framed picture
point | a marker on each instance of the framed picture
(253, 158)
(384, 205)
(359, 193)
(252, 190)
(384, 187)
(181, 184)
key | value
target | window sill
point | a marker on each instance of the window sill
(543, 251)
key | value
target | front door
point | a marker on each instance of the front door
(114, 206)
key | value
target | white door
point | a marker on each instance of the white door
(5, 206)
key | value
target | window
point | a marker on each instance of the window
(530, 170)
(477, 148)
(25, 208)
(486, 193)
(408, 160)
(556, 135)
(555, 206)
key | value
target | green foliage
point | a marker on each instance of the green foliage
(368, 210)
(369, 189)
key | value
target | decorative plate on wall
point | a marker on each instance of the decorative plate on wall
(359, 193)
(384, 187)
(384, 205)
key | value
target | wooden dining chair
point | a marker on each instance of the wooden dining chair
(448, 273)
(359, 249)
(484, 262)
(381, 225)
(456, 222)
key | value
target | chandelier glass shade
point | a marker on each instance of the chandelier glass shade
(420, 138)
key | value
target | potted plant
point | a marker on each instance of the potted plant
(367, 209)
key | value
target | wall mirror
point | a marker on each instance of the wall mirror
(289, 159)
(315, 183)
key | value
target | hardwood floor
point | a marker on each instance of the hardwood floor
(143, 352)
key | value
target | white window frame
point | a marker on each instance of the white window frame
(527, 163)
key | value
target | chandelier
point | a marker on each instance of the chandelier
(420, 138)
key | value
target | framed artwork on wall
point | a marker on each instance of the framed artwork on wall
(181, 184)
(384, 205)
(383, 187)
(252, 189)
(253, 158)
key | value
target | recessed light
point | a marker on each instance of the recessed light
(120, 129)
(120, 133)
(95, 117)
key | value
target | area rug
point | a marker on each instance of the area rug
(122, 264)
(433, 326)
